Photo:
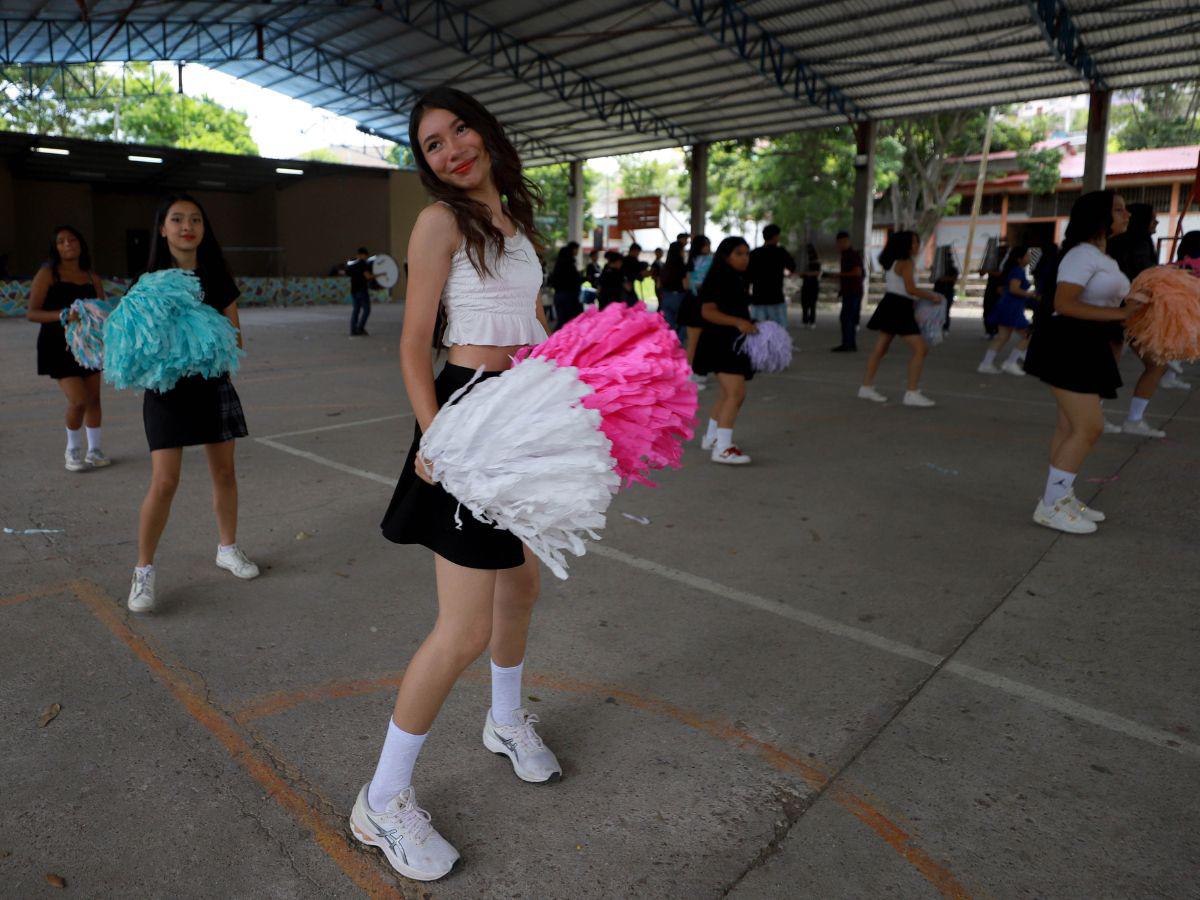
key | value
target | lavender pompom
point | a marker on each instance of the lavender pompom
(770, 349)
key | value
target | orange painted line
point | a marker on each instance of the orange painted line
(47, 591)
(816, 776)
(329, 837)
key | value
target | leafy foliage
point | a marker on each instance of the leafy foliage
(1043, 169)
(555, 181)
(1165, 115)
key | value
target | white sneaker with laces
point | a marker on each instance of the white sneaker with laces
(1062, 516)
(73, 459)
(1092, 515)
(1013, 368)
(1141, 429)
(706, 442)
(730, 456)
(141, 591)
(987, 369)
(1110, 428)
(1171, 380)
(235, 561)
(916, 398)
(866, 392)
(532, 760)
(96, 459)
(411, 845)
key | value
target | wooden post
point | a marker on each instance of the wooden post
(977, 200)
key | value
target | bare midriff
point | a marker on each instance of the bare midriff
(472, 356)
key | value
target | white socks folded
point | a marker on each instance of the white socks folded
(1015, 357)
(989, 358)
(394, 772)
(506, 692)
(711, 434)
(93, 435)
(74, 438)
(1137, 409)
(724, 439)
(1058, 485)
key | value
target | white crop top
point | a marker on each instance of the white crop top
(501, 309)
(893, 283)
(1104, 284)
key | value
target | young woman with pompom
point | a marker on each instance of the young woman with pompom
(725, 310)
(1070, 351)
(474, 279)
(197, 410)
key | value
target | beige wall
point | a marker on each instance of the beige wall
(37, 206)
(406, 199)
(322, 221)
(8, 221)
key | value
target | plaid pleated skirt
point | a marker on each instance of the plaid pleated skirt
(197, 410)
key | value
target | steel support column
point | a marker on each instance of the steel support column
(864, 188)
(1096, 154)
(699, 193)
(575, 204)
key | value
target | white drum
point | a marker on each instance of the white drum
(386, 272)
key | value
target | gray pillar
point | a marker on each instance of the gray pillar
(864, 187)
(699, 194)
(575, 205)
(1097, 141)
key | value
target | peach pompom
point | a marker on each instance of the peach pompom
(1166, 324)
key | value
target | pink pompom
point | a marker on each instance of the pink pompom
(1166, 324)
(640, 381)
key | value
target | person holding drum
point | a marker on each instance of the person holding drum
(361, 275)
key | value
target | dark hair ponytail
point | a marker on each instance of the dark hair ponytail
(1091, 216)
(898, 247)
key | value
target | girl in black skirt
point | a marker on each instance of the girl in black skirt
(66, 277)
(894, 317)
(725, 308)
(473, 285)
(197, 410)
(1070, 352)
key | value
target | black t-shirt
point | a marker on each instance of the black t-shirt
(766, 273)
(851, 285)
(592, 273)
(725, 287)
(631, 269)
(612, 285)
(357, 271)
(219, 288)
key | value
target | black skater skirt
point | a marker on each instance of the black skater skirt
(197, 410)
(422, 513)
(716, 352)
(54, 357)
(894, 315)
(1074, 355)
(689, 311)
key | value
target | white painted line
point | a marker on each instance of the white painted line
(323, 461)
(1029, 693)
(812, 620)
(283, 434)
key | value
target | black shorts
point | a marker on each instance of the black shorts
(423, 513)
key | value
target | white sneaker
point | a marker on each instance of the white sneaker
(1013, 368)
(1110, 428)
(532, 760)
(1092, 515)
(1062, 516)
(869, 393)
(706, 442)
(987, 369)
(1172, 380)
(96, 459)
(1141, 429)
(74, 461)
(916, 398)
(141, 591)
(402, 831)
(235, 561)
(730, 456)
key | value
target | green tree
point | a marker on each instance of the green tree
(1164, 115)
(320, 154)
(191, 123)
(640, 175)
(554, 182)
(401, 156)
(1043, 167)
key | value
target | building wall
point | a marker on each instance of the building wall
(322, 221)
(38, 206)
(406, 199)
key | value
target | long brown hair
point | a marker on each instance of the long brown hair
(474, 219)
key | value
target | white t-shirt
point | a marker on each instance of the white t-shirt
(1104, 284)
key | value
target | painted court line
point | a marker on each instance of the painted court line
(284, 434)
(1099, 717)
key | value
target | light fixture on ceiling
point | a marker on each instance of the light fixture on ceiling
(52, 151)
(284, 170)
(133, 157)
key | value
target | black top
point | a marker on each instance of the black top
(61, 294)
(566, 277)
(357, 271)
(725, 287)
(851, 285)
(671, 278)
(631, 269)
(218, 287)
(592, 274)
(766, 273)
(1133, 253)
(612, 285)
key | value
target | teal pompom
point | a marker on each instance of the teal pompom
(161, 331)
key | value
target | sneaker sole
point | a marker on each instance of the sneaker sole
(221, 565)
(732, 462)
(500, 750)
(406, 871)
(80, 468)
(1053, 527)
(101, 465)
(139, 612)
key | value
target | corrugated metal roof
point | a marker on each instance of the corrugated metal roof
(581, 78)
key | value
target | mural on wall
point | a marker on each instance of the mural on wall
(256, 291)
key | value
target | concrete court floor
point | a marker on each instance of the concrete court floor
(853, 669)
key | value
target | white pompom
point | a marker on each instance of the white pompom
(521, 452)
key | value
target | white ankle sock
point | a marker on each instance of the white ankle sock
(1058, 485)
(142, 570)
(1137, 409)
(989, 358)
(724, 439)
(226, 548)
(93, 436)
(1014, 357)
(506, 692)
(711, 434)
(74, 438)
(396, 761)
